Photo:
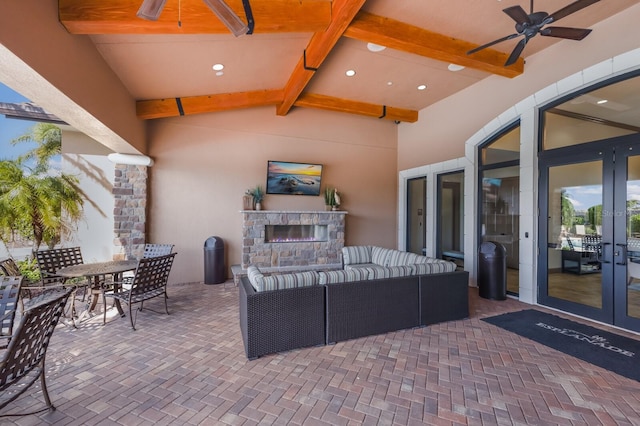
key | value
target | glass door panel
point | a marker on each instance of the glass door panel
(627, 247)
(500, 217)
(574, 233)
(633, 237)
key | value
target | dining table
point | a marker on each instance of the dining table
(94, 272)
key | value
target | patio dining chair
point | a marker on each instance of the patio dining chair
(149, 281)
(9, 294)
(23, 362)
(49, 261)
(150, 250)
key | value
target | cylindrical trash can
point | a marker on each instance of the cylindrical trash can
(214, 268)
(492, 271)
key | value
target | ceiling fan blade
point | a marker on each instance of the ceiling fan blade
(500, 40)
(518, 14)
(564, 32)
(515, 54)
(572, 8)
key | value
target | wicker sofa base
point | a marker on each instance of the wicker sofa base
(282, 320)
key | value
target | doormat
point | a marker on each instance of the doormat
(607, 350)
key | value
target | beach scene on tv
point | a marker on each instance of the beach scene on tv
(293, 178)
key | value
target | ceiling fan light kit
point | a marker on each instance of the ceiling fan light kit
(530, 25)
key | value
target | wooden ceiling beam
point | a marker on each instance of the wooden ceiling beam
(173, 107)
(354, 107)
(319, 47)
(119, 17)
(408, 38)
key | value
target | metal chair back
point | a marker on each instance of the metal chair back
(49, 261)
(155, 250)
(9, 294)
(24, 360)
(9, 267)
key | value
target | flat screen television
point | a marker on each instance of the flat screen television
(289, 178)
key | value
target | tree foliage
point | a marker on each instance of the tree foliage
(36, 204)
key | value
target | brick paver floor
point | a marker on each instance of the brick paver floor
(189, 368)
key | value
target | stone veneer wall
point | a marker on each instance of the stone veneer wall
(130, 211)
(292, 255)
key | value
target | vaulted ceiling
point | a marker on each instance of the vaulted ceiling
(300, 50)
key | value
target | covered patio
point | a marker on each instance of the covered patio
(190, 368)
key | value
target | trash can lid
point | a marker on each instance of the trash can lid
(214, 242)
(492, 248)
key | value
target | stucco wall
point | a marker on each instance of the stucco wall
(204, 164)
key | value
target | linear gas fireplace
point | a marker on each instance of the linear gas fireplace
(292, 240)
(294, 233)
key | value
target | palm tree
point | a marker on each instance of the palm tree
(36, 204)
(48, 138)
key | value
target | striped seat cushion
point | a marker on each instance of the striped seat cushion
(285, 281)
(399, 258)
(255, 277)
(380, 255)
(342, 276)
(376, 272)
(434, 267)
(356, 254)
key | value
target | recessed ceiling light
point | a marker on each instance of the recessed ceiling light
(218, 67)
(389, 83)
(455, 67)
(375, 47)
(350, 73)
(219, 73)
(602, 101)
(422, 87)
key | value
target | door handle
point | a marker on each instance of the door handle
(624, 255)
(600, 251)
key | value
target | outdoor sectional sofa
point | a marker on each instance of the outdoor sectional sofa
(378, 291)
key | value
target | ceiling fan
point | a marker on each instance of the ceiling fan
(151, 10)
(530, 25)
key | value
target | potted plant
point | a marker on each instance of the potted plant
(331, 198)
(258, 196)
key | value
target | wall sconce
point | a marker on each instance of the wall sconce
(131, 159)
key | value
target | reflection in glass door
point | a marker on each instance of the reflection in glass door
(416, 208)
(591, 238)
(574, 233)
(627, 263)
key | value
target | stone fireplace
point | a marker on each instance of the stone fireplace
(292, 240)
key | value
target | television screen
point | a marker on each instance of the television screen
(293, 178)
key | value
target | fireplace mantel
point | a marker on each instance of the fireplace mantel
(289, 255)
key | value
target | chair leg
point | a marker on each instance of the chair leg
(166, 307)
(133, 323)
(43, 385)
(104, 307)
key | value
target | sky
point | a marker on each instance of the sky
(11, 128)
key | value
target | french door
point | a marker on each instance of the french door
(589, 247)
